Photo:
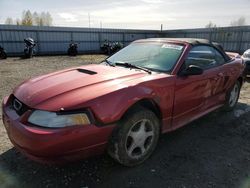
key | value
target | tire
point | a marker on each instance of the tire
(30, 55)
(72, 52)
(69, 52)
(28, 52)
(75, 52)
(135, 137)
(3, 55)
(25, 51)
(232, 97)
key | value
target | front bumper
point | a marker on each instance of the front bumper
(54, 145)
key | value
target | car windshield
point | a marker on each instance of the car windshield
(159, 57)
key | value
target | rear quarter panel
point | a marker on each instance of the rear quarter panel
(233, 70)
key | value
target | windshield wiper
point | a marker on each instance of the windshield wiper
(129, 65)
(109, 63)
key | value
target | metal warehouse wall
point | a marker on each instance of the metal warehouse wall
(232, 38)
(55, 40)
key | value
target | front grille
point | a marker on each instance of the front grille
(18, 106)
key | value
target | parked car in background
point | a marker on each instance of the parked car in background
(246, 58)
(123, 104)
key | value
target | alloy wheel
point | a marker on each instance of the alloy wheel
(234, 95)
(139, 138)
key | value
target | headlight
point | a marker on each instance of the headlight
(55, 120)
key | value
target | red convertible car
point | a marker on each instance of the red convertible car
(123, 104)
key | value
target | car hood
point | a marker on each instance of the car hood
(75, 85)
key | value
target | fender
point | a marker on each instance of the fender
(111, 107)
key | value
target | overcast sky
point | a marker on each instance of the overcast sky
(143, 14)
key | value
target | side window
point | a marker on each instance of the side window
(202, 56)
(219, 58)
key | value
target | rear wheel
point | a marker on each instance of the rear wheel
(27, 52)
(135, 138)
(232, 97)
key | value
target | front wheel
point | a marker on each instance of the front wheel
(232, 97)
(135, 138)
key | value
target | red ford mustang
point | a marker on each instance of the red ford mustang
(123, 104)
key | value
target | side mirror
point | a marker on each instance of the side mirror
(192, 70)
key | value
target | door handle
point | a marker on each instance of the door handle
(220, 74)
(215, 78)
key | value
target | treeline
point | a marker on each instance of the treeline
(30, 19)
(239, 22)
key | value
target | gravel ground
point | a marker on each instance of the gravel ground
(213, 151)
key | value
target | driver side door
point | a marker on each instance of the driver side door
(193, 91)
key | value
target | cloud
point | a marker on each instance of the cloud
(68, 17)
(152, 1)
(142, 14)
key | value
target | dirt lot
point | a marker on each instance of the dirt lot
(213, 151)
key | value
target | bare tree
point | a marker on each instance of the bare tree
(18, 21)
(48, 20)
(240, 22)
(45, 19)
(9, 21)
(27, 18)
(210, 25)
(36, 18)
(42, 19)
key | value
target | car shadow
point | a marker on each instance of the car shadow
(213, 151)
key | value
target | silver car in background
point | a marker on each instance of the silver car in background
(246, 58)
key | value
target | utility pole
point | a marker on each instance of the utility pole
(89, 19)
(161, 27)
(100, 24)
